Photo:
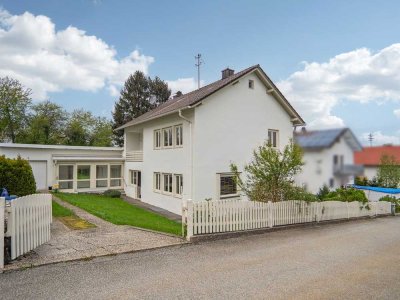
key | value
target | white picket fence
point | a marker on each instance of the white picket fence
(29, 223)
(2, 205)
(205, 217)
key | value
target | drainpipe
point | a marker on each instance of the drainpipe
(191, 151)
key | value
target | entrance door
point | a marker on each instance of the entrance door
(137, 183)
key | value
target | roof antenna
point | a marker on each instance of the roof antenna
(199, 62)
(370, 139)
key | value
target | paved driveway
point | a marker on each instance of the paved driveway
(67, 244)
(354, 260)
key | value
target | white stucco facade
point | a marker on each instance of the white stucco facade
(46, 159)
(319, 166)
(224, 128)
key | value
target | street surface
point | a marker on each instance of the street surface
(352, 260)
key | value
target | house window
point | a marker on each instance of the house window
(251, 84)
(115, 175)
(227, 185)
(178, 135)
(273, 138)
(167, 183)
(157, 139)
(66, 177)
(335, 159)
(101, 176)
(178, 184)
(331, 182)
(157, 182)
(133, 175)
(167, 137)
(83, 178)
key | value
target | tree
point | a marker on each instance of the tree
(46, 125)
(139, 95)
(270, 175)
(83, 129)
(14, 104)
(389, 171)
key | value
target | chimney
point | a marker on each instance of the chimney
(227, 72)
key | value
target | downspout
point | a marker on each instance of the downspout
(191, 151)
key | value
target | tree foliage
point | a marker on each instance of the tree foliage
(139, 95)
(389, 171)
(14, 104)
(270, 175)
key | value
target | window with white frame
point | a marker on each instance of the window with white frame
(66, 177)
(227, 185)
(83, 176)
(157, 139)
(157, 181)
(178, 135)
(167, 182)
(167, 137)
(115, 175)
(101, 176)
(273, 138)
(251, 84)
(178, 184)
(133, 175)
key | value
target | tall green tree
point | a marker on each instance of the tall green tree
(139, 95)
(389, 171)
(14, 104)
(84, 129)
(46, 124)
(270, 175)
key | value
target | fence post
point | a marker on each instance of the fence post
(189, 219)
(270, 214)
(184, 216)
(2, 208)
(347, 207)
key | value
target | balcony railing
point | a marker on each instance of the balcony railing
(134, 156)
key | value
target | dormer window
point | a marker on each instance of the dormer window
(251, 84)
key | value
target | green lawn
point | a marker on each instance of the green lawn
(119, 212)
(60, 211)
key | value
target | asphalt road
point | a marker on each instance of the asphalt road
(353, 260)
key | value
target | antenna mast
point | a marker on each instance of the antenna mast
(370, 138)
(199, 62)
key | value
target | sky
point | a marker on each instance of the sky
(337, 62)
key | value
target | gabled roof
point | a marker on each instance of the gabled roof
(190, 99)
(321, 139)
(61, 147)
(371, 156)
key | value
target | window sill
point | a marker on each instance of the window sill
(229, 196)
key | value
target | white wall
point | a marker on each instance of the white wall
(171, 160)
(370, 172)
(47, 154)
(318, 168)
(229, 125)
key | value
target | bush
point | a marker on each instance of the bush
(112, 193)
(16, 176)
(346, 195)
(392, 199)
(323, 192)
(361, 180)
(299, 193)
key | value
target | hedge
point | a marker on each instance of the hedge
(16, 176)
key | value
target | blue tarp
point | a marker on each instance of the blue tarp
(377, 189)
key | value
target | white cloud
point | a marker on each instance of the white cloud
(47, 60)
(397, 112)
(184, 85)
(358, 75)
(379, 139)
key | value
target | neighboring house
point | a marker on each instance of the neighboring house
(73, 168)
(328, 157)
(370, 158)
(183, 148)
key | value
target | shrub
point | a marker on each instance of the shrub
(346, 195)
(299, 193)
(361, 180)
(323, 191)
(16, 176)
(392, 199)
(112, 193)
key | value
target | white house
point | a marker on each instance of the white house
(183, 148)
(73, 168)
(328, 158)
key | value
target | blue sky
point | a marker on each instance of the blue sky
(345, 53)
